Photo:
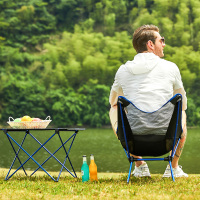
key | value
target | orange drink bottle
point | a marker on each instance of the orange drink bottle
(93, 169)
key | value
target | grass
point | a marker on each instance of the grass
(109, 186)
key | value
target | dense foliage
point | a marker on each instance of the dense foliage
(59, 57)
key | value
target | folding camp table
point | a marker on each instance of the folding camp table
(56, 134)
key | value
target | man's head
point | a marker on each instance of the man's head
(147, 39)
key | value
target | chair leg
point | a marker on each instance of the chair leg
(129, 174)
(172, 174)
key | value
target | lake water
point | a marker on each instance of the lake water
(108, 153)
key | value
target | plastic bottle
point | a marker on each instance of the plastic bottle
(93, 169)
(85, 170)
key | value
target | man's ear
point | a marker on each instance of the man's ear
(150, 45)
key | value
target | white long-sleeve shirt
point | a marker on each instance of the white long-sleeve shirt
(148, 81)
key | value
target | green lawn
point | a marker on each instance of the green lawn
(109, 186)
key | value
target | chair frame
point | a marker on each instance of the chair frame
(175, 143)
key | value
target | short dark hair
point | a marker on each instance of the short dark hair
(142, 35)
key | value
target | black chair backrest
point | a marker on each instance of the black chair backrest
(149, 133)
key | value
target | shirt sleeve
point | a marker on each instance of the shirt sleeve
(116, 86)
(178, 81)
(178, 88)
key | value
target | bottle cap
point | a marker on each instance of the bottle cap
(84, 158)
(92, 157)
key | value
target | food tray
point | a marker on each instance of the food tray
(29, 125)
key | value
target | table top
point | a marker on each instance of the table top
(43, 129)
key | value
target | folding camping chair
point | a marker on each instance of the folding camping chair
(151, 134)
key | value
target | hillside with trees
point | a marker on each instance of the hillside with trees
(59, 57)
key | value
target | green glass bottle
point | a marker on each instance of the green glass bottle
(85, 170)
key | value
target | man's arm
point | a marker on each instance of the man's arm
(113, 98)
(113, 110)
(184, 100)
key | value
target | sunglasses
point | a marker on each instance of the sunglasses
(162, 40)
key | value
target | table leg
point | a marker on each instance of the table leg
(16, 155)
(52, 155)
(30, 157)
(67, 155)
(17, 151)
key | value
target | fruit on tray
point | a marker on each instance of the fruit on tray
(26, 118)
(36, 119)
(17, 120)
(28, 122)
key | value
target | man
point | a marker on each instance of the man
(145, 77)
